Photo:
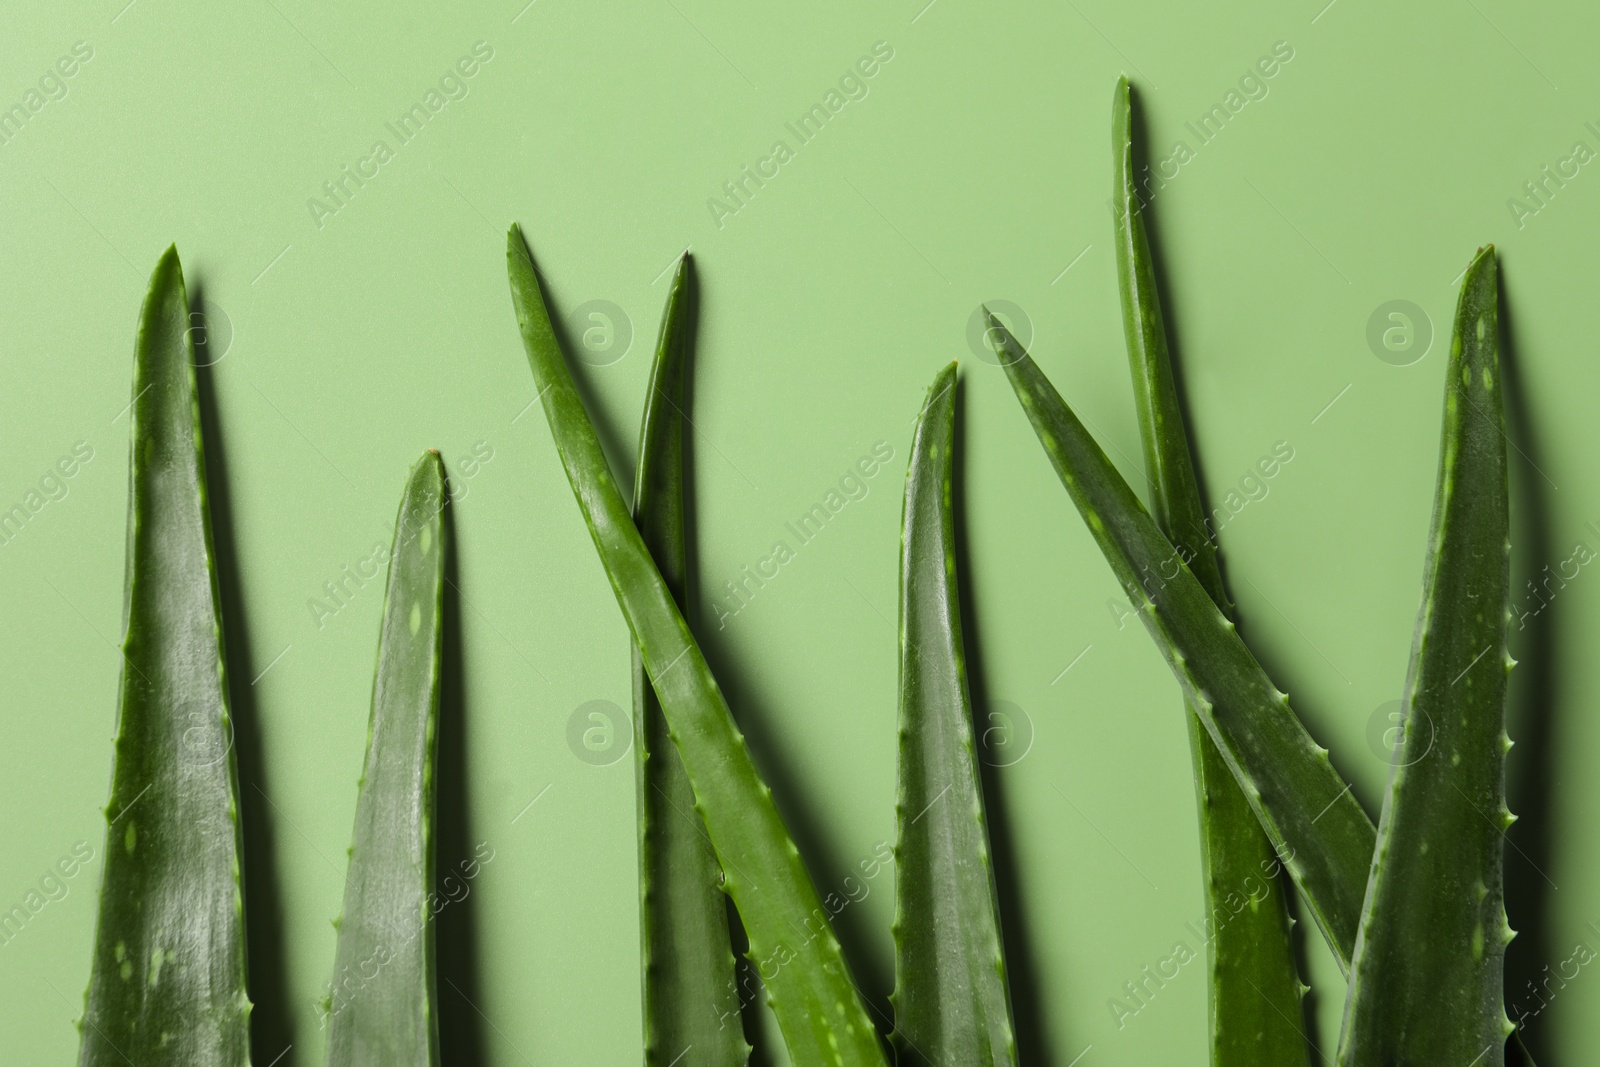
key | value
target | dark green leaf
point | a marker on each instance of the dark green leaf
(167, 985)
(1256, 1015)
(952, 1005)
(1320, 832)
(1427, 983)
(809, 987)
(381, 1002)
(691, 1003)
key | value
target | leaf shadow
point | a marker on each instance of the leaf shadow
(1169, 301)
(456, 939)
(1534, 701)
(271, 1032)
(1029, 1014)
(615, 441)
(742, 692)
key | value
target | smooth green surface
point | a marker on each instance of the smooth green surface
(951, 1002)
(1426, 983)
(381, 1002)
(792, 943)
(1254, 1003)
(1391, 141)
(688, 983)
(168, 979)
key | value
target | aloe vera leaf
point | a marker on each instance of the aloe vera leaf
(952, 1002)
(381, 1002)
(690, 999)
(1317, 827)
(167, 983)
(1427, 984)
(819, 1010)
(1255, 986)
(1277, 765)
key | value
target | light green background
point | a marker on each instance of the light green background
(976, 168)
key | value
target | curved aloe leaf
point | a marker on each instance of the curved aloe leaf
(952, 1004)
(822, 1016)
(381, 1003)
(1255, 987)
(167, 984)
(1306, 809)
(1427, 982)
(689, 995)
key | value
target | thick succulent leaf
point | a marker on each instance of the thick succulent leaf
(1255, 991)
(822, 1016)
(1427, 981)
(952, 1003)
(690, 999)
(381, 1002)
(167, 984)
(1175, 501)
(1316, 826)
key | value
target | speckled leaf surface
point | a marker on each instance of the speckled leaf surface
(167, 983)
(1317, 827)
(1255, 1007)
(1427, 981)
(822, 1016)
(381, 1001)
(952, 1003)
(691, 1005)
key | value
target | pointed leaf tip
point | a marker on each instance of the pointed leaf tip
(168, 267)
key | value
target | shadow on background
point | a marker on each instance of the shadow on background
(270, 1030)
(1028, 1013)
(615, 441)
(461, 1032)
(1302, 934)
(622, 455)
(747, 978)
(1533, 706)
(752, 996)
